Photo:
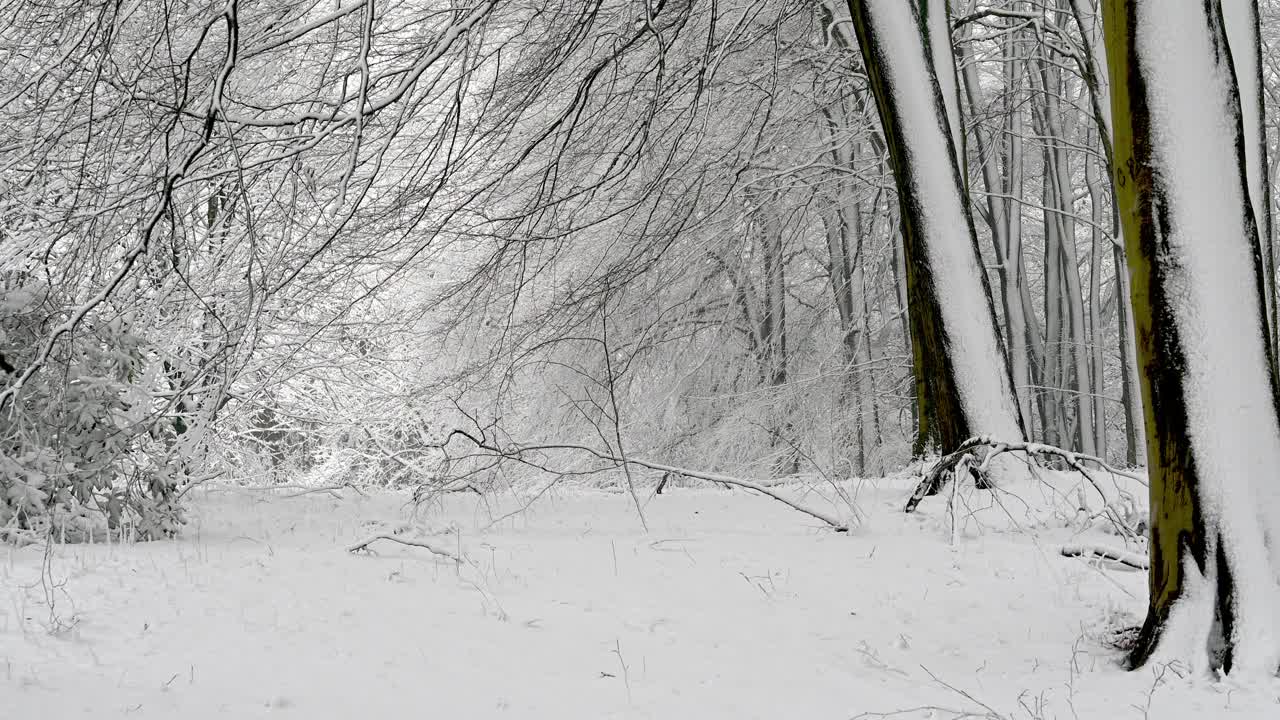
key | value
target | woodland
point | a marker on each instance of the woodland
(843, 260)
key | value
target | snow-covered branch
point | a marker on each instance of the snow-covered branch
(430, 547)
(979, 452)
(1124, 557)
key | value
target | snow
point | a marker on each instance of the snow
(980, 372)
(1233, 432)
(733, 606)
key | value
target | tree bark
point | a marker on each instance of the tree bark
(1096, 362)
(1241, 25)
(1003, 215)
(962, 371)
(1208, 385)
(1093, 62)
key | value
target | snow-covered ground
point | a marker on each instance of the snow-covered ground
(731, 606)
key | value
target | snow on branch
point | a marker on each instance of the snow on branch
(1124, 557)
(978, 452)
(430, 547)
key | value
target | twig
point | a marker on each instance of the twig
(992, 713)
(626, 673)
(826, 476)
(435, 549)
(456, 485)
(617, 418)
(917, 710)
(951, 501)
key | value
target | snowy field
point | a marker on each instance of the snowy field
(731, 606)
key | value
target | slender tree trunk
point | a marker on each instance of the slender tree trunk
(1052, 381)
(868, 390)
(1014, 175)
(773, 330)
(935, 21)
(840, 223)
(904, 323)
(1097, 365)
(1068, 366)
(1093, 70)
(1002, 216)
(1241, 24)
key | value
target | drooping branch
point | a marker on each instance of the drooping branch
(518, 452)
(229, 16)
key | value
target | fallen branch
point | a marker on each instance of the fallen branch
(435, 549)
(517, 451)
(944, 470)
(301, 490)
(1124, 557)
(667, 476)
(330, 489)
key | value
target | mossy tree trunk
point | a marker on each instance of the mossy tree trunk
(963, 379)
(1209, 391)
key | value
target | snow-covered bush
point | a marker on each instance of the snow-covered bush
(84, 447)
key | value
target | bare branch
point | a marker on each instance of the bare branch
(434, 549)
(516, 451)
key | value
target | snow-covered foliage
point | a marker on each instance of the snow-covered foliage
(85, 450)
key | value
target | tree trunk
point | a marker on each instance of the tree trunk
(1093, 70)
(840, 223)
(1241, 25)
(1213, 430)
(1003, 215)
(773, 334)
(1067, 360)
(1096, 363)
(935, 23)
(963, 374)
